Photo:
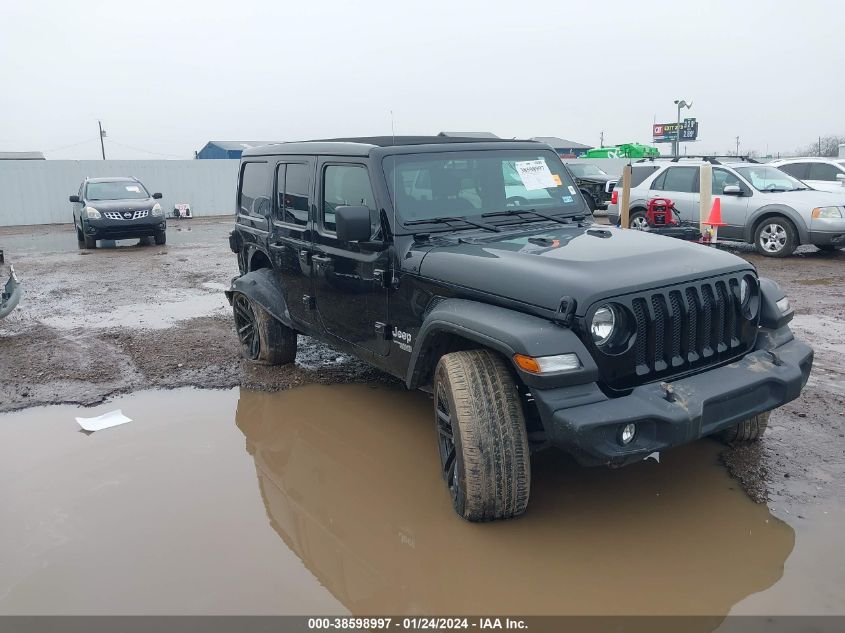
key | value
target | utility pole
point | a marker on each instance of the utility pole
(737, 146)
(601, 137)
(102, 136)
(820, 146)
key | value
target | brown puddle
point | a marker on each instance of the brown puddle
(169, 514)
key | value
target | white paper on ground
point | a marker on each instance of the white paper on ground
(534, 174)
(655, 456)
(105, 421)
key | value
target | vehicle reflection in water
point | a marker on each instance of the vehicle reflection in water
(350, 480)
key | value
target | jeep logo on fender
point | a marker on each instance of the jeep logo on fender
(402, 339)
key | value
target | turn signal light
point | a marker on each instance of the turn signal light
(546, 364)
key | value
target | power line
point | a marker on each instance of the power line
(56, 149)
(146, 151)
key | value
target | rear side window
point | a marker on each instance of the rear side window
(796, 170)
(293, 184)
(254, 194)
(348, 185)
(678, 179)
(640, 173)
(823, 171)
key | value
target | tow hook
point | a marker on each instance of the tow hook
(669, 391)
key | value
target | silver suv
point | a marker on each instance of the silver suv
(760, 204)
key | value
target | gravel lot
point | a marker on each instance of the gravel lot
(93, 324)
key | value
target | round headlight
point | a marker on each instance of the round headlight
(602, 325)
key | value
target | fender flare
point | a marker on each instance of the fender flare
(506, 331)
(263, 287)
(777, 209)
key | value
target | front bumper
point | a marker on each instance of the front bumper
(106, 229)
(827, 238)
(584, 422)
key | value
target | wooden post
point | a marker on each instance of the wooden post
(625, 198)
(706, 195)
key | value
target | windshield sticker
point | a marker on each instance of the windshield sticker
(133, 188)
(568, 199)
(534, 174)
(572, 190)
(556, 178)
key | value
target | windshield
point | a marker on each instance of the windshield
(471, 183)
(765, 178)
(585, 171)
(121, 190)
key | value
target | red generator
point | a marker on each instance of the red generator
(663, 218)
(661, 212)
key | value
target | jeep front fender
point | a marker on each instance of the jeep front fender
(263, 287)
(506, 331)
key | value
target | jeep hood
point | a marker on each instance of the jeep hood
(586, 263)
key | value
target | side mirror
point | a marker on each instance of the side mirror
(841, 178)
(74, 199)
(156, 196)
(352, 224)
(732, 190)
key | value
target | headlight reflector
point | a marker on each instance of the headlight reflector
(92, 214)
(602, 325)
(546, 364)
(156, 211)
(827, 212)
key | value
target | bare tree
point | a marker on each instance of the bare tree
(827, 146)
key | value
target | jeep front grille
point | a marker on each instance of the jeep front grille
(678, 330)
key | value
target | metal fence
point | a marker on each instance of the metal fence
(36, 191)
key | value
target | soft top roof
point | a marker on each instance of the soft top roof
(361, 146)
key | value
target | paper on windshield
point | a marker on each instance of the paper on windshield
(133, 188)
(535, 174)
(105, 421)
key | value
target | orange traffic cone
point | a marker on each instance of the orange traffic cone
(715, 220)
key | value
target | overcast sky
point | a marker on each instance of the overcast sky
(165, 77)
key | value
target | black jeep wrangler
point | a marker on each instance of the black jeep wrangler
(421, 256)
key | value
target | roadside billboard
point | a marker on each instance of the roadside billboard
(668, 132)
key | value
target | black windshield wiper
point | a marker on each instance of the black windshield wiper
(447, 219)
(546, 216)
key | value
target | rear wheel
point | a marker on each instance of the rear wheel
(263, 339)
(481, 436)
(637, 221)
(160, 238)
(749, 430)
(775, 237)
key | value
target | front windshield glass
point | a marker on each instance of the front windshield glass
(122, 190)
(470, 183)
(765, 178)
(585, 171)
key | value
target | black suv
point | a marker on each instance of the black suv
(529, 325)
(595, 184)
(117, 209)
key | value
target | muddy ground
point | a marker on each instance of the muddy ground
(94, 324)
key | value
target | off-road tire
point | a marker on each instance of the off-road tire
(591, 202)
(790, 236)
(276, 343)
(160, 238)
(749, 430)
(489, 476)
(637, 220)
(90, 242)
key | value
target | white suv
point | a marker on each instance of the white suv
(824, 174)
(760, 204)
